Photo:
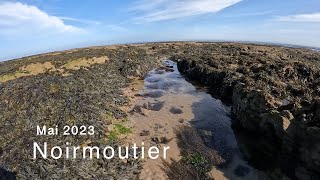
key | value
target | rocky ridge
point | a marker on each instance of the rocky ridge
(274, 93)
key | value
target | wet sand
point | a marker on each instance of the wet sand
(165, 100)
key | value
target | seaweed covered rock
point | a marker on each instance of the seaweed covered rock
(274, 96)
(81, 87)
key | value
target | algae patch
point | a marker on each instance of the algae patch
(28, 70)
(83, 62)
(40, 68)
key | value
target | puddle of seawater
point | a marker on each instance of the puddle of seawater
(180, 99)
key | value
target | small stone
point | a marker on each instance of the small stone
(287, 114)
(164, 140)
(181, 120)
(156, 140)
(144, 112)
(137, 109)
(175, 110)
(285, 123)
(157, 106)
(145, 105)
(145, 133)
(110, 127)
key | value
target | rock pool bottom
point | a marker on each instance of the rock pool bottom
(168, 100)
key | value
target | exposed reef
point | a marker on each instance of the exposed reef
(274, 93)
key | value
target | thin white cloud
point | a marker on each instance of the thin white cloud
(82, 21)
(160, 10)
(313, 17)
(18, 18)
(146, 5)
(248, 14)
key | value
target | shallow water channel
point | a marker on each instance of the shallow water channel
(167, 100)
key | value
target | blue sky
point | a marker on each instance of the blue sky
(34, 26)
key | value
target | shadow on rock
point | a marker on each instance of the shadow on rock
(7, 175)
(197, 158)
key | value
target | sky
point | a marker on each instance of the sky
(30, 27)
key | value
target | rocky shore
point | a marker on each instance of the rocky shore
(273, 91)
(67, 88)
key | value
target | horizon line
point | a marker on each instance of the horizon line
(287, 45)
